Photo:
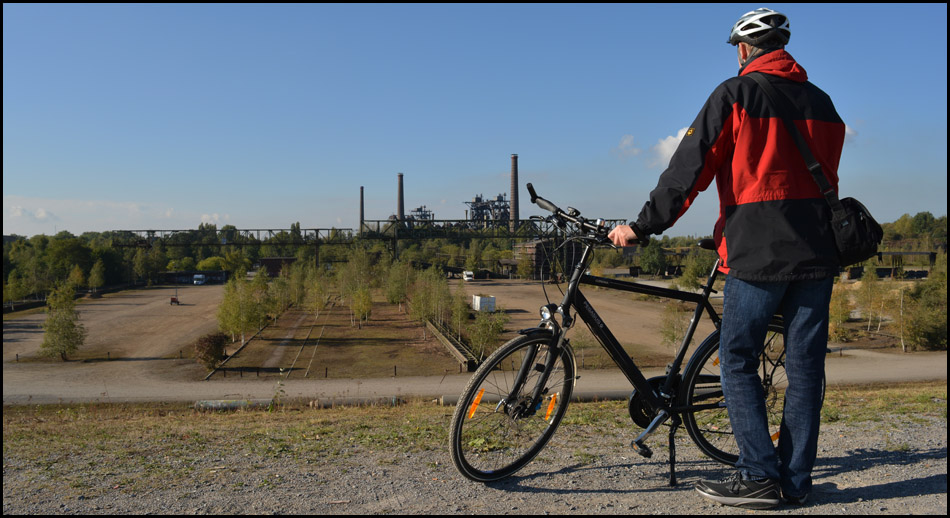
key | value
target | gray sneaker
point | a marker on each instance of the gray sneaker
(747, 494)
(795, 500)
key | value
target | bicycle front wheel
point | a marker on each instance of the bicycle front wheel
(497, 428)
(706, 418)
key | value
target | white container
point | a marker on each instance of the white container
(483, 303)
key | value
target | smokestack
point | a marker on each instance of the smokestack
(514, 194)
(401, 214)
(361, 211)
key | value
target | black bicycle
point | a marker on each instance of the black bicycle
(516, 399)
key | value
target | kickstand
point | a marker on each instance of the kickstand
(673, 427)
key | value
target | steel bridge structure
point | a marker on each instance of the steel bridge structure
(391, 231)
(386, 230)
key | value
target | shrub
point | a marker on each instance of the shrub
(209, 349)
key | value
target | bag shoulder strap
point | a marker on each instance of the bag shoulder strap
(813, 166)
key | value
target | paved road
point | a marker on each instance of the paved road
(26, 384)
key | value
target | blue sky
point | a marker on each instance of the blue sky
(259, 116)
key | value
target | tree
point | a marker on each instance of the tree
(696, 268)
(260, 294)
(236, 261)
(76, 278)
(97, 276)
(486, 330)
(362, 303)
(652, 259)
(674, 323)
(317, 291)
(525, 265)
(398, 280)
(16, 288)
(64, 254)
(459, 307)
(839, 312)
(213, 263)
(278, 295)
(926, 317)
(63, 334)
(239, 311)
(871, 291)
(356, 277)
(183, 264)
(297, 283)
(147, 263)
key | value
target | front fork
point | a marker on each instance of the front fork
(518, 406)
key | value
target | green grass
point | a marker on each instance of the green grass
(857, 403)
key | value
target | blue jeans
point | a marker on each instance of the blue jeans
(747, 309)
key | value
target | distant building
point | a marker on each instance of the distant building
(275, 264)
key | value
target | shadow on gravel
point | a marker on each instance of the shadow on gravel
(862, 459)
(687, 473)
(825, 491)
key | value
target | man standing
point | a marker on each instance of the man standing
(775, 243)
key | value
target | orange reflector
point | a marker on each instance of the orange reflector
(551, 406)
(716, 361)
(478, 399)
(775, 436)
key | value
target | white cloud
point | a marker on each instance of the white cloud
(31, 216)
(34, 215)
(850, 133)
(665, 147)
(627, 148)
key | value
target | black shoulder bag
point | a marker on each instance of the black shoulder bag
(857, 234)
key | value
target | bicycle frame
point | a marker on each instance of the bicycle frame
(668, 399)
(574, 298)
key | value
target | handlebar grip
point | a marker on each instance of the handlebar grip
(546, 205)
(541, 202)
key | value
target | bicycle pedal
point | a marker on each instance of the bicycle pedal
(642, 449)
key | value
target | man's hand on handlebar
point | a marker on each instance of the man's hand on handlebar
(623, 235)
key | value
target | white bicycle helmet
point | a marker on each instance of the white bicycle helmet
(756, 26)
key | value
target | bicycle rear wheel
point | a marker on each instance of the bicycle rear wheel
(707, 419)
(496, 432)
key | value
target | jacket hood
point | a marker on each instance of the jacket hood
(777, 63)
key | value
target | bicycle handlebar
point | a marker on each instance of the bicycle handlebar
(597, 228)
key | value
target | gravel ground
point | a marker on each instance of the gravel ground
(866, 468)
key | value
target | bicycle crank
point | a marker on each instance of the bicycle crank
(639, 445)
(642, 413)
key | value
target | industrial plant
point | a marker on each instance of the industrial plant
(482, 213)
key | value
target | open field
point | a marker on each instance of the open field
(301, 345)
(138, 349)
(136, 335)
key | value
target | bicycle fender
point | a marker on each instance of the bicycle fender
(714, 336)
(532, 330)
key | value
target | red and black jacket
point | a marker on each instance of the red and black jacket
(773, 220)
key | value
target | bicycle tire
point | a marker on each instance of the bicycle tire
(709, 427)
(488, 439)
